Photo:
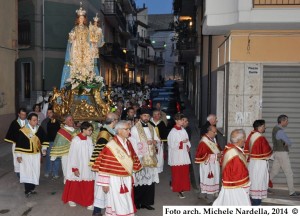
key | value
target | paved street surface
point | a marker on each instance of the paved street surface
(48, 200)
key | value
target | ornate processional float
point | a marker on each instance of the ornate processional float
(81, 84)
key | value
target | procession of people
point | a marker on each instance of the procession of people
(116, 169)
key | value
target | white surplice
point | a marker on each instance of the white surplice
(79, 157)
(233, 197)
(176, 156)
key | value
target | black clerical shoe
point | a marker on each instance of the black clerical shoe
(147, 207)
(181, 196)
(28, 194)
(295, 194)
(138, 206)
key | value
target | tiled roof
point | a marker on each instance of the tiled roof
(160, 21)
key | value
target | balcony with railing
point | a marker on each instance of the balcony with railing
(159, 61)
(225, 16)
(186, 45)
(130, 56)
(24, 36)
(115, 13)
(144, 41)
(183, 7)
(113, 52)
(129, 6)
(276, 3)
(132, 29)
(150, 59)
(141, 61)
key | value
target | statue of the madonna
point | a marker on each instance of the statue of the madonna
(82, 51)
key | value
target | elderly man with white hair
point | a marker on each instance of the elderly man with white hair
(211, 121)
(117, 162)
(235, 175)
(62, 142)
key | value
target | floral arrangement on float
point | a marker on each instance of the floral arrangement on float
(85, 81)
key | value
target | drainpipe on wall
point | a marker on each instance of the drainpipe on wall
(201, 70)
(17, 88)
(209, 75)
(43, 51)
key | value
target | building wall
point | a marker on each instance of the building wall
(239, 62)
(143, 16)
(244, 96)
(265, 46)
(223, 16)
(247, 50)
(8, 56)
(209, 90)
(238, 102)
(170, 57)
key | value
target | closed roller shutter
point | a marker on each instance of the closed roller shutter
(281, 95)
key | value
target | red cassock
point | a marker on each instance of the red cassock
(260, 149)
(107, 163)
(79, 189)
(203, 151)
(234, 167)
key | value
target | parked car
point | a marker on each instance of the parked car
(167, 95)
(155, 92)
(169, 83)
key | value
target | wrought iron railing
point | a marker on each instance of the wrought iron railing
(159, 60)
(24, 36)
(144, 40)
(113, 50)
(186, 45)
(141, 61)
(112, 8)
(276, 3)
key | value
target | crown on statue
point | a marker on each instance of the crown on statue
(96, 18)
(80, 12)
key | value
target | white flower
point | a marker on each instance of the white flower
(85, 78)
(74, 85)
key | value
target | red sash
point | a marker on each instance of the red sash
(63, 132)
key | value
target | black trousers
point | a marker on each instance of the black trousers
(144, 195)
(29, 187)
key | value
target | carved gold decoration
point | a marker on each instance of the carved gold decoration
(83, 106)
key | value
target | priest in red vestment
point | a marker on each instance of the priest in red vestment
(235, 175)
(258, 150)
(207, 156)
